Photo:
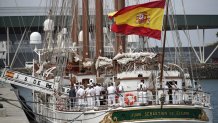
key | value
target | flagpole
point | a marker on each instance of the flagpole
(164, 43)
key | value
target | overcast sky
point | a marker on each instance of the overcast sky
(196, 38)
(195, 7)
(192, 7)
(209, 7)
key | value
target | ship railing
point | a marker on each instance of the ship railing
(133, 99)
(46, 113)
(184, 97)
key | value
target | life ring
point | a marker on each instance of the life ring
(129, 99)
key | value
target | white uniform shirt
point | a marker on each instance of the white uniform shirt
(76, 87)
(92, 91)
(87, 91)
(80, 92)
(111, 90)
(98, 90)
(141, 86)
(121, 88)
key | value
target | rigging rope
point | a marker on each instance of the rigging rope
(189, 40)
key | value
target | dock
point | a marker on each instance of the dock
(10, 113)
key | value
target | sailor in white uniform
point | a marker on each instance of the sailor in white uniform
(121, 94)
(185, 96)
(174, 92)
(142, 92)
(111, 95)
(80, 95)
(91, 81)
(92, 94)
(88, 95)
(166, 90)
(76, 86)
(98, 90)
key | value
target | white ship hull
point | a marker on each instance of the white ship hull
(102, 116)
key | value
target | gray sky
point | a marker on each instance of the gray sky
(208, 7)
(191, 6)
(196, 38)
(196, 7)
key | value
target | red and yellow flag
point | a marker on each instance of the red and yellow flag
(143, 19)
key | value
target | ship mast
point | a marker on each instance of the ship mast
(99, 28)
(74, 32)
(120, 39)
(85, 28)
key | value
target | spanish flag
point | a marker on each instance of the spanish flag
(143, 19)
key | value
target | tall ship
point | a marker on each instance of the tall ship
(73, 82)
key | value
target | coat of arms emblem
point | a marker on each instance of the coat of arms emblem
(142, 18)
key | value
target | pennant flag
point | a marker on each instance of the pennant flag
(143, 19)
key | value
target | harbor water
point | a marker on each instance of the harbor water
(210, 86)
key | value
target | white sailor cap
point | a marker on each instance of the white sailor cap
(91, 80)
